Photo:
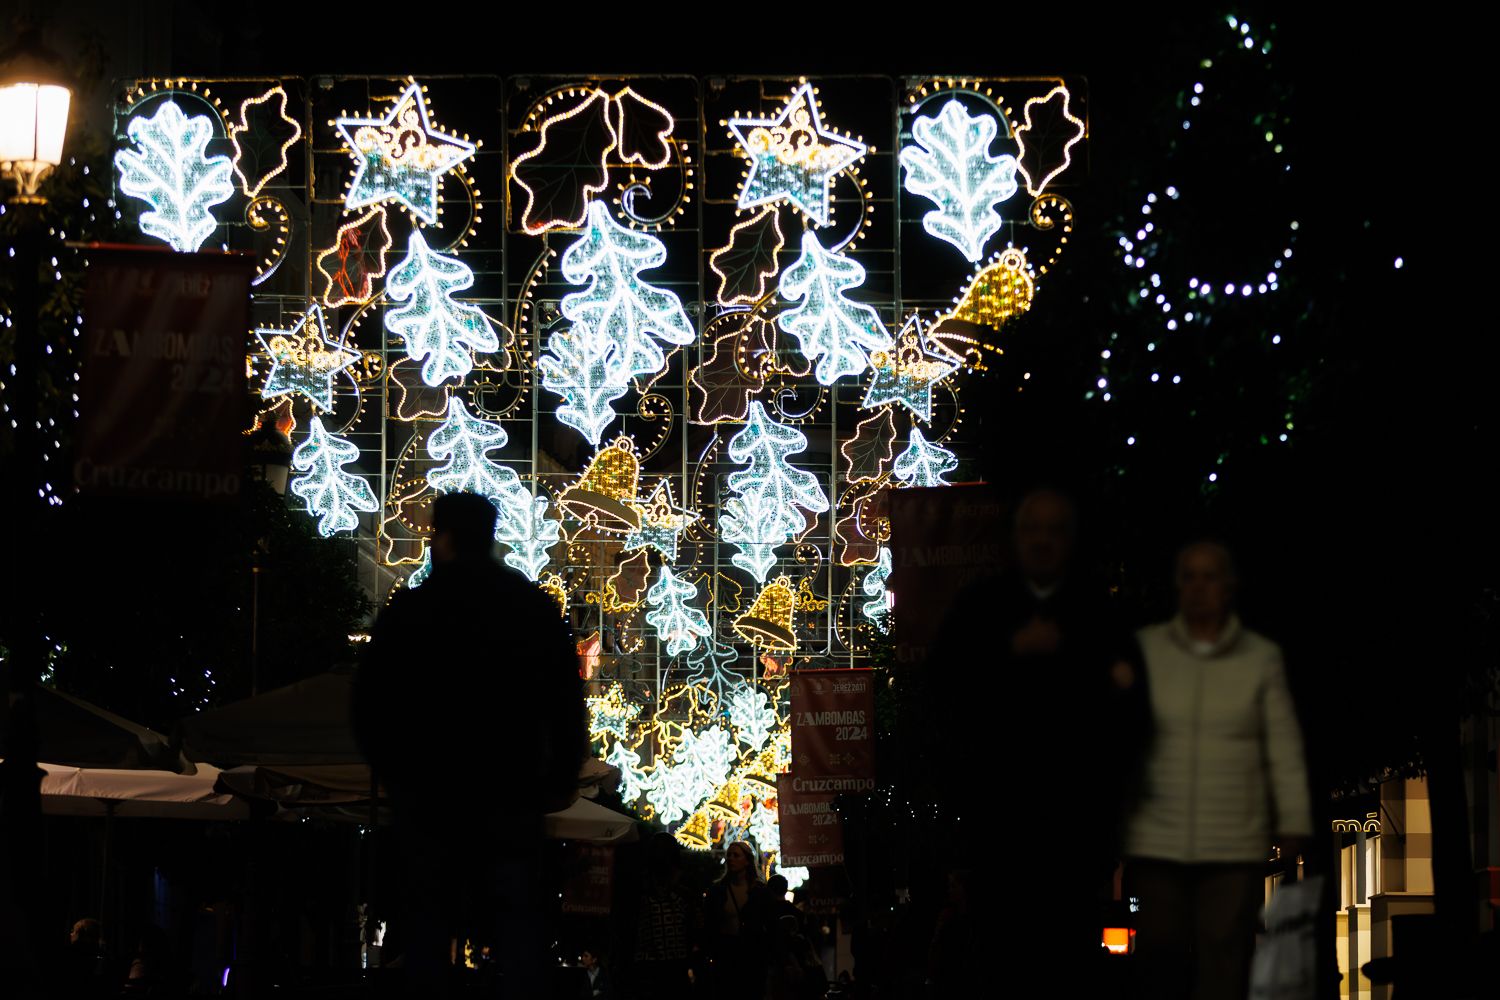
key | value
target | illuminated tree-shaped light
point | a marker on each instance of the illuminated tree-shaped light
(170, 171)
(877, 608)
(617, 303)
(677, 624)
(768, 492)
(580, 367)
(334, 496)
(461, 443)
(753, 717)
(401, 157)
(951, 165)
(432, 324)
(924, 463)
(830, 327)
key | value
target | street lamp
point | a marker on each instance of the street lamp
(34, 103)
(34, 99)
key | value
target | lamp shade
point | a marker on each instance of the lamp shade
(33, 120)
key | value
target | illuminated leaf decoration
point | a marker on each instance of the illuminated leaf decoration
(924, 463)
(869, 452)
(749, 260)
(831, 328)
(356, 260)
(720, 389)
(334, 496)
(262, 138)
(167, 167)
(1046, 139)
(874, 586)
(579, 366)
(951, 165)
(414, 398)
(643, 130)
(567, 167)
(626, 589)
(867, 515)
(432, 323)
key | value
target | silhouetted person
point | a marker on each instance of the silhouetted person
(734, 943)
(83, 961)
(597, 984)
(1224, 775)
(470, 709)
(1070, 720)
(794, 970)
(665, 927)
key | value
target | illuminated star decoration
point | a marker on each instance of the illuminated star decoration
(401, 157)
(952, 166)
(661, 522)
(610, 713)
(924, 463)
(170, 171)
(908, 374)
(304, 360)
(333, 495)
(793, 157)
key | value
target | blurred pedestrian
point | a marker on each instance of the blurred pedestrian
(794, 971)
(1044, 639)
(598, 985)
(734, 924)
(476, 643)
(1224, 778)
(83, 961)
(665, 927)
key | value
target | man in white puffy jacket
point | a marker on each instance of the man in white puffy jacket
(1225, 777)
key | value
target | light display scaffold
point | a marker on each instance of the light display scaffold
(687, 333)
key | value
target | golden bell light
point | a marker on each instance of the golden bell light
(999, 291)
(726, 804)
(606, 495)
(694, 833)
(767, 624)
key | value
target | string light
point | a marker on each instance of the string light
(1034, 187)
(235, 130)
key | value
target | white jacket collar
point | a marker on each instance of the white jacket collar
(1177, 629)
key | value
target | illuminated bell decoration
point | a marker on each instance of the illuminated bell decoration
(726, 804)
(768, 622)
(607, 492)
(695, 834)
(758, 783)
(999, 291)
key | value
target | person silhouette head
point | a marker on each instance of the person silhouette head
(463, 527)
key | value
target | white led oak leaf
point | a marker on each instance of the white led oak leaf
(170, 171)
(439, 331)
(924, 463)
(952, 166)
(763, 513)
(332, 495)
(834, 330)
(678, 625)
(877, 609)
(617, 303)
(580, 367)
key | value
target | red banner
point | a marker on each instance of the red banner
(811, 833)
(162, 400)
(942, 538)
(591, 887)
(833, 729)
